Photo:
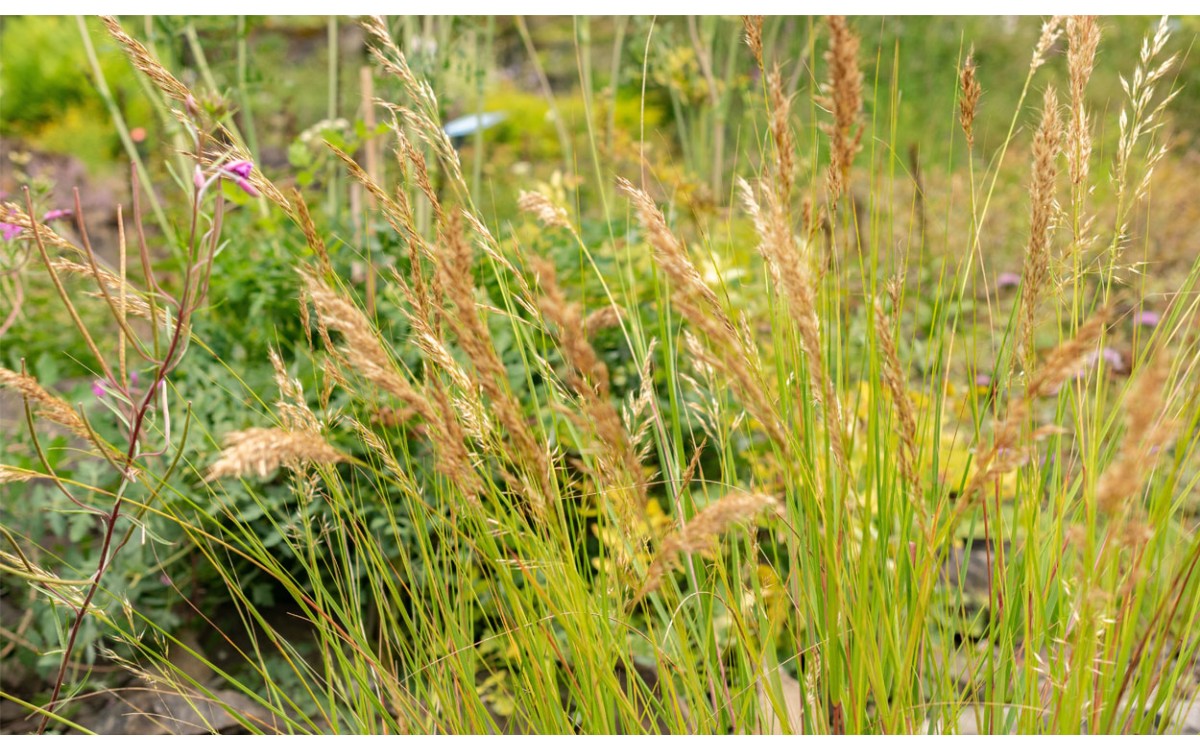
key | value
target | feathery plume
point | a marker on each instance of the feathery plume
(260, 450)
(1148, 432)
(701, 532)
(47, 405)
(544, 209)
(842, 96)
(700, 306)
(968, 102)
(14, 474)
(781, 133)
(896, 384)
(790, 272)
(362, 348)
(754, 29)
(1062, 363)
(1083, 37)
(1042, 211)
(1051, 31)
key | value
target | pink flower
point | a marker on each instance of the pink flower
(245, 185)
(9, 230)
(239, 172)
(240, 168)
(58, 213)
(1008, 280)
(1149, 319)
(98, 389)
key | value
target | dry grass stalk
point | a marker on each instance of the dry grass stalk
(700, 306)
(135, 303)
(968, 103)
(314, 240)
(897, 387)
(691, 294)
(146, 62)
(549, 214)
(1003, 455)
(1051, 31)
(789, 269)
(754, 39)
(1042, 213)
(362, 349)
(46, 405)
(589, 378)
(1148, 432)
(454, 269)
(1083, 37)
(842, 96)
(1140, 119)
(260, 450)
(292, 405)
(14, 474)
(608, 316)
(701, 532)
(781, 133)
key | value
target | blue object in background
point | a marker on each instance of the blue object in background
(461, 127)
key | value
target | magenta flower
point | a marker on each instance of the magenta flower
(58, 213)
(241, 168)
(9, 230)
(1008, 280)
(246, 187)
(1149, 319)
(983, 380)
(98, 389)
(239, 172)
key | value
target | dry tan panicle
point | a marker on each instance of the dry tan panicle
(1148, 432)
(450, 444)
(842, 96)
(11, 213)
(146, 62)
(315, 243)
(261, 450)
(1004, 453)
(781, 133)
(637, 415)
(1142, 117)
(135, 303)
(1064, 361)
(968, 103)
(589, 378)
(47, 405)
(754, 40)
(701, 532)
(790, 271)
(14, 474)
(691, 292)
(700, 306)
(373, 441)
(392, 212)
(292, 405)
(544, 209)
(608, 316)
(1083, 37)
(1051, 31)
(362, 349)
(897, 386)
(565, 316)
(1042, 212)
(453, 266)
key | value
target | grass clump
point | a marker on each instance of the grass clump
(626, 463)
